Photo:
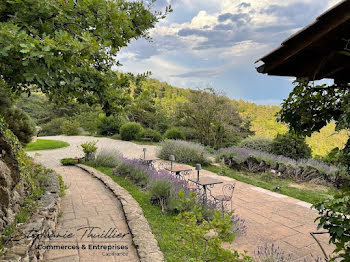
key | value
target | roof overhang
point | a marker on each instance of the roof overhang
(320, 50)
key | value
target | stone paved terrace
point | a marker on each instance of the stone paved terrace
(270, 217)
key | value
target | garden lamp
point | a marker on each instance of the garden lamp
(144, 153)
(172, 159)
(198, 167)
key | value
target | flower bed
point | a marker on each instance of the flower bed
(164, 190)
(300, 171)
(184, 152)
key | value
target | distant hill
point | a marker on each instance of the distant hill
(262, 118)
(264, 124)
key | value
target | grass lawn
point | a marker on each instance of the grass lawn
(44, 144)
(307, 192)
(164, 225)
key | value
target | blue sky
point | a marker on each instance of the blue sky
(216, 42)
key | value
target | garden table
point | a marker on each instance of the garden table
(205, 182)
(149, 161)
(179, 171)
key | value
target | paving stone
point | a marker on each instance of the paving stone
(271, 218)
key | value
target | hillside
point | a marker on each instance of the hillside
(262, 117)
(162, 99)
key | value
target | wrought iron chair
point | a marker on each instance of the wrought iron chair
(226, 197)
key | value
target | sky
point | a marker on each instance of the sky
(215, 43)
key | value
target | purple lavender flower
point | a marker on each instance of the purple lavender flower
(271, 253)
(239, 225)
(241, 154)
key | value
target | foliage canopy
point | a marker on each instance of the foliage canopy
(66, 48)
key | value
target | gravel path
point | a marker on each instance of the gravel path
(270, 217)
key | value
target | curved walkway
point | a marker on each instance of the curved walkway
(270, 217)
(87, 204)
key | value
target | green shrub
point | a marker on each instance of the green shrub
(189, 133)
(257, 143)
(52, 128)
(63, 186)
(89, 121)
(291, 145)
(184, 152)
(20, 124)
(154, 135)
(160, 190)
(130, 131)
(70, 128)
(332, 158)
(68, 161)
(174, 133)
(110, 125)
(89, 148)
(334, 218)
(209, 149)
(207, 234)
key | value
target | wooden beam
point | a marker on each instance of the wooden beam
(308, 36)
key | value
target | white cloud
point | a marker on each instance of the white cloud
(202, 19)
(251, 31)
(243, 48)
(126, 55)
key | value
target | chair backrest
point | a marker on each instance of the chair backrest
(228, 189)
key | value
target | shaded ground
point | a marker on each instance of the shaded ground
(270, 217)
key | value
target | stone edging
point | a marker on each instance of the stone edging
(43, 220)
(145, 242)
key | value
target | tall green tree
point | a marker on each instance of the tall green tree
(309, 108)
(214, 117)
(66, 48)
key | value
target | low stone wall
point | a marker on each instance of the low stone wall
(11, 189)
(145, 242)
(24, 246)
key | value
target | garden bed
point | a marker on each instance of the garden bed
(307, 170)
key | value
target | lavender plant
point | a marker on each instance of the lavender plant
(106, 158)
(164, 190)
(240, 155)
(184, 151)
(239, 225)
(271, 253)
(135, 170)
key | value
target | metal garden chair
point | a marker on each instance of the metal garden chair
(226, 197)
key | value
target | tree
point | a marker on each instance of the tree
(291, 145)
(66, 48)
(214, 117)
(20, 124)
(17, 120)
(307, 109)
